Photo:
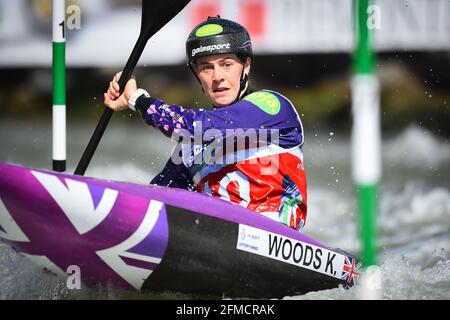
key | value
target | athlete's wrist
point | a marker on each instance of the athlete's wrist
(136, 95)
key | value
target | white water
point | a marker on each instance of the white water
(414, 218)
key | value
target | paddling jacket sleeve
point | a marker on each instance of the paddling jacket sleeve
(279, 194)
(259, 110)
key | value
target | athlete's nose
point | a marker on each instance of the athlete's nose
(217, 73)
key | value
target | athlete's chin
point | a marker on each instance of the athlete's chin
(222, 101)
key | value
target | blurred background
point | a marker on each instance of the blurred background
(303, 49)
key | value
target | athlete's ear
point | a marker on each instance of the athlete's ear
(247, 66)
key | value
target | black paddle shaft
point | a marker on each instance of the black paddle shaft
(107, 112)
(155, 14)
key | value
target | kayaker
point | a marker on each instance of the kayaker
(264, 171)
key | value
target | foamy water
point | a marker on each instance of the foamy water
(414, 217)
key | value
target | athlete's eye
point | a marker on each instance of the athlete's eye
(205, 67)
(227, 64)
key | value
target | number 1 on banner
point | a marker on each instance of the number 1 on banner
(63, 28)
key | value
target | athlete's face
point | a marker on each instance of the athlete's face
(220, 77)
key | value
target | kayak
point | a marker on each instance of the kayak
(151, 238)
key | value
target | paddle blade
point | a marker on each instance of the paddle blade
(156, 14)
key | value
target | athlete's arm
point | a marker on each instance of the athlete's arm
(167, 118)
(155, 112)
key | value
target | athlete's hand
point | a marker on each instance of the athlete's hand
(112, 98)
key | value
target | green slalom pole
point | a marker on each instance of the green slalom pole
(59, 85)
(366, 135)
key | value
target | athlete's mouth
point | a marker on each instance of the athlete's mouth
(220, 90)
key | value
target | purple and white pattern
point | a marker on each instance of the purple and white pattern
(111, 235)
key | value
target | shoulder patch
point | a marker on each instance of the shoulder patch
(266, 101)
